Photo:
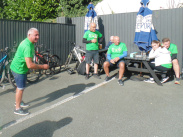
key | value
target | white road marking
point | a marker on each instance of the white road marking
(54, 105)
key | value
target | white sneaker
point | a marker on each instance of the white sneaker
(164, 80)
(150, 80)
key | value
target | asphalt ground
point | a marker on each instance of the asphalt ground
(69, 106)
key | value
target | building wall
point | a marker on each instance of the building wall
(53, 36)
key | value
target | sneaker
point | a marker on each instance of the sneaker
(120, 82)
(87, 76)
(23, 105)
(20, 111)
(177, 81)
(150, 80)
(96, 76)
(164, 79)
(107, 78)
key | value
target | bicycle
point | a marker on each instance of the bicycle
(80, 56)
(44, 57)
(76, 53)
(5, 67)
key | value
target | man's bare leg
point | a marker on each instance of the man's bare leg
(106, 68)
(87, 68)
(87, 71)
(95, 68)
(176, 68)
(18, 97)
(121, 69)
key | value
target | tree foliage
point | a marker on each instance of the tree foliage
(41, 10)
(32, 10)
(2, 4)
(74, 8)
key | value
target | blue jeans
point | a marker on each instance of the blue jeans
(20, 80)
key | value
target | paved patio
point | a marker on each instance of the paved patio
(69, 106)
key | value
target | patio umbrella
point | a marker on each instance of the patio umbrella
(90, 17)
(144, 32)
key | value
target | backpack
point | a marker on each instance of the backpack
(81, 69)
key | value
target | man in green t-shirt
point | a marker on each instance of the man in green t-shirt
(22, 61)
(115, 57)
(173, 49)
(92, 46)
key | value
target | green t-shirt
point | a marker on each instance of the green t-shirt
(173, 49)
(89, 35)
(117, 50)
(25, 49)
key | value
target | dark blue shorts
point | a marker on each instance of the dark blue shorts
(92, 54)
(20, 80)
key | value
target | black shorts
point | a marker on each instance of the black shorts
(160, 68)
(92, 55)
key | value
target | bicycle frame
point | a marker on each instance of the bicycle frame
(5, 68)
(38, 57)
(77, 52)
(2, 66)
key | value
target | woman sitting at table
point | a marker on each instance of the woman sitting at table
(162, 60)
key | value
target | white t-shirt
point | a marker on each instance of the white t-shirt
(161, 55)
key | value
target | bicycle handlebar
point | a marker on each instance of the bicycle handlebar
(6, 50)
(73, 43)
(45, 51)
(39, 46)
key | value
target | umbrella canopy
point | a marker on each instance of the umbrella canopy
(90, 17)
(144, 32)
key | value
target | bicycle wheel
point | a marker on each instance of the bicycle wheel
(55, 64)
(68, 60)
(33, 75)
(102, 59)
(2, 76)
(11, 78)
(45, 60)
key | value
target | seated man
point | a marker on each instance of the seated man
(173, 49)
(115, 57)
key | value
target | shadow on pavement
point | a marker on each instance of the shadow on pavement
(44, 129)
(6, 91)
(59, 93)
(3, 92)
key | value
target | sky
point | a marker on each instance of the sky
(123, 6)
